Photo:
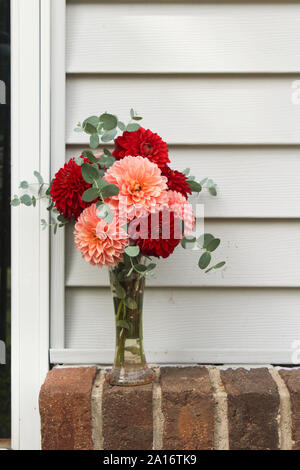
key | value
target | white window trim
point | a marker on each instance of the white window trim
(30, 22)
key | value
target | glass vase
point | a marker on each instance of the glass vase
(130, 366)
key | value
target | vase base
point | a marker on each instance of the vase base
(130, 378)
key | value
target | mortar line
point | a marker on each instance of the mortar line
(285, 412)
(96, 404)
(158, 417)
(221, 426)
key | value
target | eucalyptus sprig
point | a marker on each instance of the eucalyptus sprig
(105, 127)
(208, 243)
(196, 187)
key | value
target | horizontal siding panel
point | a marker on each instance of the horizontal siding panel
(192, 110)
(265, 253)
(172, 38)
(253, 182)
(186, 324)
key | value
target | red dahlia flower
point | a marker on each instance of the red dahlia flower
(67, 189)
(177, 181)
(142, 143)
(157, 234)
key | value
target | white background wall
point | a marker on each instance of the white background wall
(215, 81)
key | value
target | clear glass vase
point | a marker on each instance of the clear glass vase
(130, 367)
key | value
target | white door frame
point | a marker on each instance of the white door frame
(30, 39)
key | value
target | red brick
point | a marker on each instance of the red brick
(188, 408)
(292, 380)
(253, 406)
(127, 417)
(65, 408)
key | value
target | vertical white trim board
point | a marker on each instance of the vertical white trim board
(30, 23)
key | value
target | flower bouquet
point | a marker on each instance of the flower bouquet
(129, 207)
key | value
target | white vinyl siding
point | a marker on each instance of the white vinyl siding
(215, 81)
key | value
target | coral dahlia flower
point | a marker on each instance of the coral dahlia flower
(67, 189)
(157, 234)
(183, 210)
(177, 181)
(142, 143)
(142, 187)
(100, 243)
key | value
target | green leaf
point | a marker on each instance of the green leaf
(24, 185)
(186, 172)
(151, 266)
(105, 213)
(94, 141)
(109, 121)
(90, 156)
(132, 251)
(130, 303)
(90, 195)
(109, 135)
(106, 160)
(188, 242)
(26, 200)
(220, 265)
(93, 120)
(137, 118)
(203, 181)
(121, 126)
(61, 218)
(89, 173)
(141, 268)
(33, 201)
(90, 129)
(213, 191)
(38, 177)
(133, 127)
(15, 202)
(204, 260)
(110, 190)
(205, 239)
(123, 324)
(194, 186)
(132, 113)
(213, 245)
(120, 291)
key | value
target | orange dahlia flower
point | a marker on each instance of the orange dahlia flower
(142, 187)
(100, 243)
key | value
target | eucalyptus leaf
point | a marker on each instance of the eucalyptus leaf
(90, 129)
(110, 190)
(24, 185)
(213, 245)
(121, 126)
(188, 242)
(94, 141)
(89, 173)
(26, 200)
(132, 251)
(220, 265)
(133, 127)
(90, 195)
(213, 191)
(204, 260)
(90, 156)
(38, 177)
(15, 202)
(205, 239)
(120, 292)
(109, 135)
(109, 121)
(93, 120)
(194, 186)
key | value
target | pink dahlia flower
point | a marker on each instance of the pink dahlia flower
(100, 244)
(142, 187)
(182, 209)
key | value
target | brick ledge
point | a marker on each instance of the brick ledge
(187, 408)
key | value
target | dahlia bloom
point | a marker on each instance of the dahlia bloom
(142, 143)
(100, 244)
(183, 210)
(177, 181)
(157, 234)
(67, 189)
(142, 187)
